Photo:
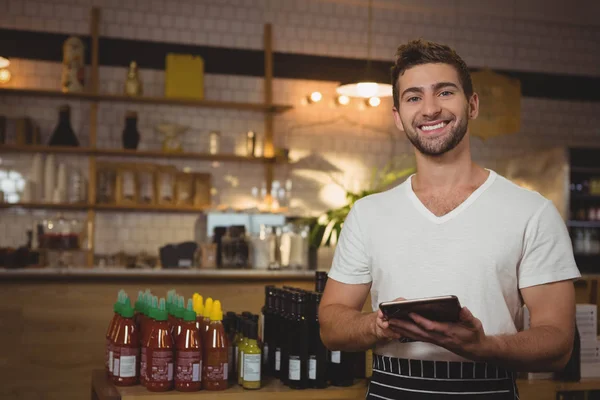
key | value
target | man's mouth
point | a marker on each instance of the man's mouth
(433, 127)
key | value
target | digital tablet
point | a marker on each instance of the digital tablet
(441, 309)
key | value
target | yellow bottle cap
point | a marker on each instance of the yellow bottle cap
(207, 308)
(198, 302)
(216, 313)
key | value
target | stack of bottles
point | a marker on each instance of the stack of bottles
(164, 344)
(293, 350)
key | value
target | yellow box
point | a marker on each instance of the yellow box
(184, 76)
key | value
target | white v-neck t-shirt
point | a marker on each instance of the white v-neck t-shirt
(502, 238)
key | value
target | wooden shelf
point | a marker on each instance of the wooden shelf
(46, 206)
(153, 208)
(586, 170)
(228, 105)
(583, 224)
(131, 153)
(579, 196)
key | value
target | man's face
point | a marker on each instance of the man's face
(433, 109)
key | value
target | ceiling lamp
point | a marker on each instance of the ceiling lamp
(4, 72)
(368, 87)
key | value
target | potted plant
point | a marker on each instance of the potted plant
(327, 228)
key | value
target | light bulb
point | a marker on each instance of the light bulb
(343, 100)
(366, 89)
(374, 101)
(315, 97)
(4, 76)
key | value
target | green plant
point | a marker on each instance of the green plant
(328, 226)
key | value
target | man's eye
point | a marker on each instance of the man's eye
(446, 93)
(412, 99)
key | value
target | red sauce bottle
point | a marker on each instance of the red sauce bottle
(151, 304)
(208, 306)
(199, 310)
(171, 301)
(159, 352)
(110, 332)
(126, 349)
(138, 309)
(215, 369)
(188, 353)
(178, 309)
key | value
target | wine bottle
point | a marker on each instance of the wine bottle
(287, 319)
(341, 368)
(320, 281)
(317, 352)
(299, 336)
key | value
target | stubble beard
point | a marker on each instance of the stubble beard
(438, 146)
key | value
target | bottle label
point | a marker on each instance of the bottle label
(116, 365)
(216, 372)
(312, 368)
(294, 370)
(188, 364)
(143, 364)
(277, 359)
(252, 367)
(265, 353)
(336, 357)
(159, 366)
(127, 362)
(242, 364)
(236, 354)
(106, 355)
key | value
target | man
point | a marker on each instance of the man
(453, 228)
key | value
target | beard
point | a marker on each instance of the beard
(438, 146)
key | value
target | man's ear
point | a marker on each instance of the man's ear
(473, 106)
(397, 119)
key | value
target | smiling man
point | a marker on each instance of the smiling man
(453, 228)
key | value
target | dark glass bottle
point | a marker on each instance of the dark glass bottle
(267, 327)
(131, 136)
(286, 297)
(277, 335)
(341, 368)
(320, 281)
(299, 337)
(317, 352)
(63, 134)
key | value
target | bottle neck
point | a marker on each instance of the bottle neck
(131, 123)
(252, 342)
(64, 117)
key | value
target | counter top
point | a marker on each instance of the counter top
(273, 389)
(151, 274)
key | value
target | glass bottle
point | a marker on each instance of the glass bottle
(131, 136)
(133, 84)
(63, 134)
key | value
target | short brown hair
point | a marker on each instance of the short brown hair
(418, 52)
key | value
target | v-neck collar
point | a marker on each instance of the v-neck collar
(463, 206)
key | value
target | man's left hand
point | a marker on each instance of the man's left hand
(465, 337)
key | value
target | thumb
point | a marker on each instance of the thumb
(466, 316)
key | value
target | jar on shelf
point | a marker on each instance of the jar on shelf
(235, 249)
(263, 248)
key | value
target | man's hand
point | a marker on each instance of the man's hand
(383, 329)
(465, 337)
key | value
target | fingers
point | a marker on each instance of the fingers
(428, 325)
(412, 330)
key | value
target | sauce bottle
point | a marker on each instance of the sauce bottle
(252, 358)
(178, 309)
(214, 372)
(188, 357)
(148, 321)
(126, 348)
(208, 306)
(108, 362)
(199, 310)
(159, 352)
(170, 309)
(241, 346)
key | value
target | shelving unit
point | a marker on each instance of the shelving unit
(87, 151)
(93, 95)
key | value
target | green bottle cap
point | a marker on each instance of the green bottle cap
(126, 310)
(179, 307)
(138, 302)
(188, 314)
(161, 312)
(153, 307)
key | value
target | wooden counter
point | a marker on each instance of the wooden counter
(103, 389)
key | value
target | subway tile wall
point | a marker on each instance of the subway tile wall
(331, 145)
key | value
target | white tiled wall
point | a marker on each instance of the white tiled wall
(346, 143)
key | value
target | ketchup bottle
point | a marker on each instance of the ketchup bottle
(199, 310)
(152, 304)
(126, 348)
(159, 352)
(188, 353)
(215, 369)
(108, 362)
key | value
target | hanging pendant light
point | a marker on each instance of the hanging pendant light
(368, 87)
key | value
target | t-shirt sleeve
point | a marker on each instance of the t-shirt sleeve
(548, 253)
(351, 262)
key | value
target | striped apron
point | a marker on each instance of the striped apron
(398, 378)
